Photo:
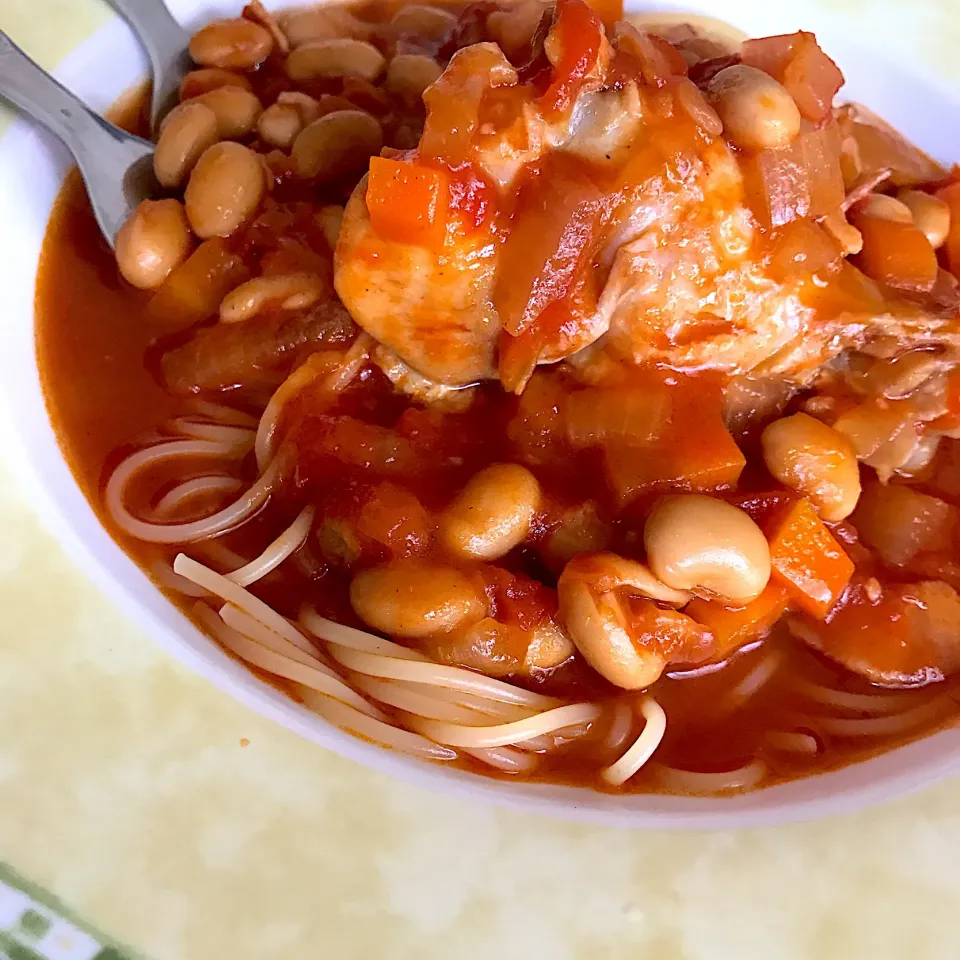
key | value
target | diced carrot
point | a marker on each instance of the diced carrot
(951, 195)
(551, 236)
(193, 291)
(807, 560)
(732, 628)
(801, 249)
(609, 11)
(579, 35)
(408, 202)
(895, 253)
(673, 461)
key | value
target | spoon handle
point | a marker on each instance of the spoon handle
(166, 44)
(116, 165)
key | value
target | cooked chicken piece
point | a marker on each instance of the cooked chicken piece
(429, 308)
(909, 637)
(433, 307)
(612, 219)
(260, 351)
(408, 381)
(688, 291)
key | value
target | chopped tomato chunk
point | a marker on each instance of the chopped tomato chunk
(674, 461)
(732, 628)
(807, 560)
(551, 234)
(369, 524)
(675, 636)
(408, 202)
(337, 446)
(900, 522)
(518, 599)
(907, 637)
(797, 61)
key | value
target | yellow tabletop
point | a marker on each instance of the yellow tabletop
(154, 812)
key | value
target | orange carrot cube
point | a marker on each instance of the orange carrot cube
(408, 202)
(807, 560)
(732, 628)
(674, 461)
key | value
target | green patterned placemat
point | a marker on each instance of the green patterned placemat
(34, 925)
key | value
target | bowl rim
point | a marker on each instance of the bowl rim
(44, 476)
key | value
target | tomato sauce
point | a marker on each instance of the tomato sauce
(99, 351)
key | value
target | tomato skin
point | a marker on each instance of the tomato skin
(579, 35)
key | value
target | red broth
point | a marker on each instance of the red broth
(775, 703)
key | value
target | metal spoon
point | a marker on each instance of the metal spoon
(117, 167)
(166, 44)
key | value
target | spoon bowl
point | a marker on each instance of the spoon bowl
(116, 166)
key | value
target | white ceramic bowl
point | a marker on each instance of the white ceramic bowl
(32, 165)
